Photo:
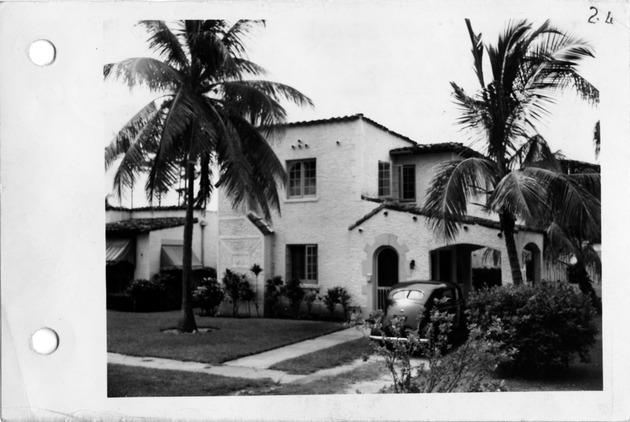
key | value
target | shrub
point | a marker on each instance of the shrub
(548, 323)
(467, 368)
(334, 296)
(273, 292)
(330, 299)
(246, 294)
(147, 295)
(208, 296)
(309, 298)
(295, 293)
(233, 283)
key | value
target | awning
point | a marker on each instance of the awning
(173, 256)
(119, 250)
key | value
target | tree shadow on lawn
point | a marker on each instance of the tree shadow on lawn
(141, 334)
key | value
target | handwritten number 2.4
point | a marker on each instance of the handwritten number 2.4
(594, 19)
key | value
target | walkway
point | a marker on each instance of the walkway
(255, 366)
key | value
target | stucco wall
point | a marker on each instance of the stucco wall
(413, 241)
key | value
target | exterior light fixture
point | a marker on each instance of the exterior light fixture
(360, 230)
(573, 260)
(412, 264)
(414, 218)
(499, 235)
(465, 228)
(385, 213)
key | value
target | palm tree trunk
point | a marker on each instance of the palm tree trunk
(507, 224)
(187, 322)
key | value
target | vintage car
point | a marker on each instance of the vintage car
(409, 305)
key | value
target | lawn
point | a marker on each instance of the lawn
(141, 334)
(128, 381)
(331, 357)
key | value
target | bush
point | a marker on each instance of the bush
(273, 293)
(309, 298)
(246, 294)
(548, 324)
(295, 293)
(233, 283)
(467, 368)
(147, 295)
(208, 296)
(334, 296)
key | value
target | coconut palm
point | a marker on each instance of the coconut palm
(529, 67)
(209, 117)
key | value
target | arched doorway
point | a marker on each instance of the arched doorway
(532, 261)
(386, 262)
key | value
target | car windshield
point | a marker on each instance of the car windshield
(408, 294)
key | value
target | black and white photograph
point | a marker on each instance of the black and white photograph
(347, 209)
(352, 206)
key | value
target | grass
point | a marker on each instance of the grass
(140, 334)
(335, 384)
(330, 357)
(128, 381)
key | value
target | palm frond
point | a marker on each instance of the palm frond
(127, 135)
(535, 152)
(575, 206)
(164, 42)
(234, 37)
(477, 52)
(258, 190)
(206, 188)
(454, 183)
(597, 139)
(144, 71)
(522, 194)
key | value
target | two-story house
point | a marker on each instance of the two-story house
(351, 216)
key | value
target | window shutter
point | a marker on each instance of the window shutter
(396, 181)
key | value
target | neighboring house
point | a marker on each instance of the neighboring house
(143, 241)
(351, 216)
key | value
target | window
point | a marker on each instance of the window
(404, 182)
(302, 178)
(384, 179)
(302, 263)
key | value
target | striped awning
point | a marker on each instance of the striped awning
(172, 256)
(120, 249)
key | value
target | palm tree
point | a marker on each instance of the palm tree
(207, 118)
(528, 67)
(569, 238)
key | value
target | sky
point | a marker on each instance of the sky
(392, 64)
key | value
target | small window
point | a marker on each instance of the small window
(384, 179)
(302, 178)
(302, 263)
(404, 182)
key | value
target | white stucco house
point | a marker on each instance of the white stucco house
(143, 241)
(351, 216)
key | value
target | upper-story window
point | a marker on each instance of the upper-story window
(302, 178)
(384, 179)
(404, 182)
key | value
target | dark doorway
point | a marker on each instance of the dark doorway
(386, 274)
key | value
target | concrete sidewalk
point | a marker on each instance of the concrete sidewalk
(255, 366)
(267, 359)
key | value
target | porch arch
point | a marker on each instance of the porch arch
(532, 263)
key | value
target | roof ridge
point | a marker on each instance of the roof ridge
(351, 117)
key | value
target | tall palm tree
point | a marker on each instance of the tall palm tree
(528, 68)
(209, 115)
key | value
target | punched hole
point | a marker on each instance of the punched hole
(42, 52)
(45, 341)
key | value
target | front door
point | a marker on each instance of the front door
(386, 274)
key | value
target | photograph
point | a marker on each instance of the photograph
(354, 199)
